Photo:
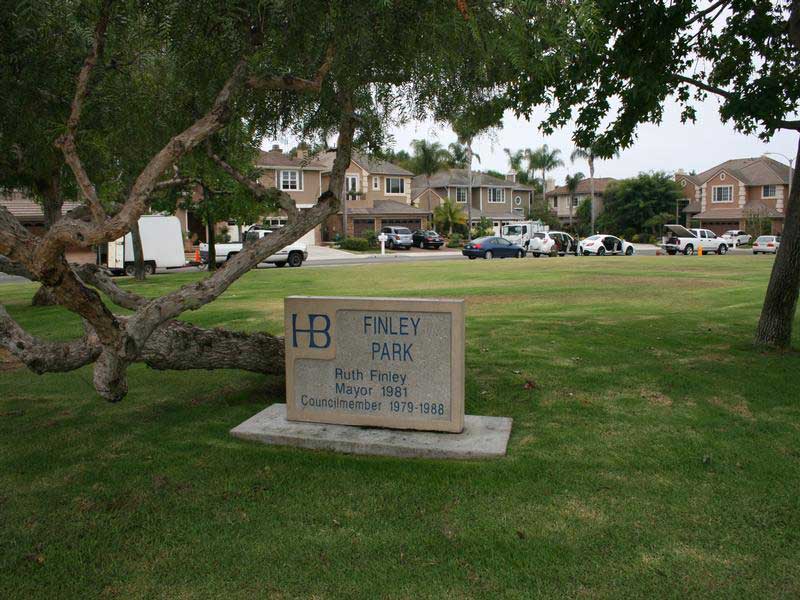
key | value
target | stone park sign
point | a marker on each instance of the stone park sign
(381, 362)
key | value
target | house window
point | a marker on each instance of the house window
(722, 193)
(291, 180)
(518, 201)
(574, 202)
(683, 183)
(769, 191)
(555, 201)
(461, 195)
(395, 185)
(497, 195)
(351, 185)
(376, 182)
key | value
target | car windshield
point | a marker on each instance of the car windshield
(731, 232)
(512, 230)
(431, 232)
(253, 236)
(765, 238)
(482, 240)
(539, 236)
(402, 230)
(594, 238)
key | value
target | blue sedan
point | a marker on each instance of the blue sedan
(492, 247)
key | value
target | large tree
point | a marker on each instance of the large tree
(618, 62)
(639, 203)
(159, 83)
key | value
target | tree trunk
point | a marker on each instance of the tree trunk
(593, 202)
(52, 203)
(138, 253)
(212, 247)
(775, 325)
(469, 189)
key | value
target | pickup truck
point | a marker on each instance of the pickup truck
(689, 241)
(292, 255)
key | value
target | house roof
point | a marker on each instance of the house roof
(370, 164)
(388, 207)
(760, 170)
(27, 210)
(460, 178)
(584, 187)
(416, 192)
(691, 208)
(277, 158)
(728, 214)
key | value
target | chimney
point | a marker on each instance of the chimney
(275, 148)
(511, 177)
(301, 152)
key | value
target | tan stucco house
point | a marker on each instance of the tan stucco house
(500, 200)
(561, 201)
(726, 195)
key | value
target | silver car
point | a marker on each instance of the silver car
(398, 237)
(767, 244)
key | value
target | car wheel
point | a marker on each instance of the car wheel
(521, 254)
(536, 254)
(488, 255)
(390, 244)
(601, 251)
(586, 253)
(130, 270)
(688, 250)
(149, 268)
(295, 259)
(472, 257)
(723, 249)
(629, 251)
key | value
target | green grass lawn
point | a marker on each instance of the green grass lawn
(658, 454)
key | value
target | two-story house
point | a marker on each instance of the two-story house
(729, 194)
(377, 193)
(501, 201)
(564, 203)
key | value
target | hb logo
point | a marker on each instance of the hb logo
(315, 333)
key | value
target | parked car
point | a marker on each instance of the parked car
(767, 244)
(492, 247)
(688, 241)
(427, 238)
(552, 243)
(737, 237)
(162, 247)
(293, 255)
(603, 244)
(398, 237)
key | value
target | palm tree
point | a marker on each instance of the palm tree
(448, 214)
(572, 182)
(458, 155)
(429, 158)
(545, 159)
(515, 160)
(589, 155)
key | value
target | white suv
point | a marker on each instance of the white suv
(552, 243)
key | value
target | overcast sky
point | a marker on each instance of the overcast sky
(665, 147)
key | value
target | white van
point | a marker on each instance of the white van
(522, 232)
(162, 246)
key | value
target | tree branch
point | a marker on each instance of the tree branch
(261, 192)
(710, 9)
(100, 278)
(9, 267)
(290, 83)
(67, 141)
(46, 357)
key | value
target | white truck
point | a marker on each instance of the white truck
(292, 255)
(522, 232)
(162, 246)
(690, 241)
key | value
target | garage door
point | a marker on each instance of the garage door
(361, 226)
(412, 224)
(308, 239)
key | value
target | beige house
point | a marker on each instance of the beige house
(377, 194)
(727, 195)
(500, 200)
(561, 201)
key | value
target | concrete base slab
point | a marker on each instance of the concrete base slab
(483, 437)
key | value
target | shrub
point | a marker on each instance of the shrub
(357, 244)
(456, 241)
(372, 238)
